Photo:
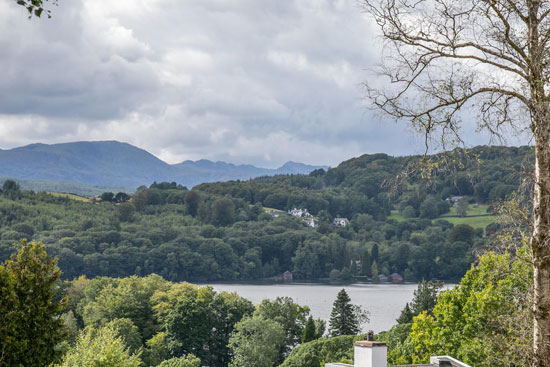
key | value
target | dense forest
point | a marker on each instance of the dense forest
(399, 222)
(148, 321)
(112, 294)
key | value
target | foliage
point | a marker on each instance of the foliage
(291, 316)
(462, 207)
(100, 348)
(487, 55)
(157, 318)
(218, 231)
(128, 332)
(424, 300)
(11, 189)
(186, 361)
(483, 321)
(309, 332)
(107, 196)
(256, 342)
(320, 327)
(398, 343)
(125, 211)
(202, 322)
(223, 212)
(406, 315)
(425, 297)
(317, 352)
(345, 318)
(156, 350)
(128, 298)
(30, 323)
(35, 7)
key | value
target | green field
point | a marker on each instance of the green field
(72, 197)
(477, 217)
(476, 222)
(472, 210)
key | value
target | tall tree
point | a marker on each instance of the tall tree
(309, 333)
(30, 323)
(406, 315)
(425, 297)
(11, 189)
(446, 55)
(345, 318)
(107, 196)
(192, 202)
(462, 207)
(223, 212)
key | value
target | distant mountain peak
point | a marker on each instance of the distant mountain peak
(118, 164)
(299, 167)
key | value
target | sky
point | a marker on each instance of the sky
(242, 81)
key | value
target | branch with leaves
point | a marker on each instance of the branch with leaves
(36, 7)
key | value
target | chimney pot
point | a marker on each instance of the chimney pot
(368, 353)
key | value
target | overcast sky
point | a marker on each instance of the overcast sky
(244, 81)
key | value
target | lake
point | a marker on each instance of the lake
(383, 301)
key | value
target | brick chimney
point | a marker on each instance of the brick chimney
(368, 353)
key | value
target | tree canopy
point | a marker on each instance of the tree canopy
(100, 348)
(256, 342)
(30, 324)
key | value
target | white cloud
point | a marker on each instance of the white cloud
(246, 81)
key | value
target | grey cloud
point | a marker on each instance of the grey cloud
(59, 68)
(245, 81)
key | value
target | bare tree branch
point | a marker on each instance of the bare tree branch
(446, 56)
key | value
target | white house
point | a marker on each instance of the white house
(311, 223)
(455, 199)
(301, 213)
(273, 213)
(340, 222)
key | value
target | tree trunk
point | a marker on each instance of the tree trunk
(540, 241)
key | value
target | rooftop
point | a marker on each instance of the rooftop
(370, 353)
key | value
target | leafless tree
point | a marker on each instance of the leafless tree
(442, 57)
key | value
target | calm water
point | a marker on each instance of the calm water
(383, 301)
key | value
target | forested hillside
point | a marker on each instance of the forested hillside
(225, 231)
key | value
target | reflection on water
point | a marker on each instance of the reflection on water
(383, 301)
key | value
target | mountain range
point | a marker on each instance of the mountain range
(121, 165)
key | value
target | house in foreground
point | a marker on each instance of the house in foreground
(369, 353)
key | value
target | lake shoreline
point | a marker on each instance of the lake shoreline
(384, 301)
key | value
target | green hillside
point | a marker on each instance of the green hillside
(224, 231)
